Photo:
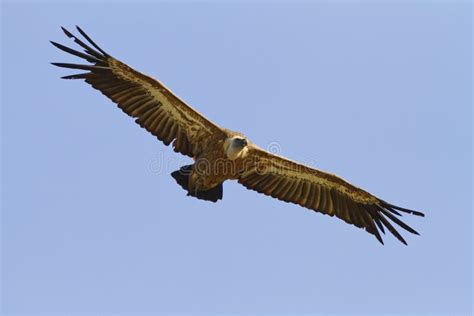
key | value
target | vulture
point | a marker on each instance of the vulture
(220, 154)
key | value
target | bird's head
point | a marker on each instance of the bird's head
(236, 147)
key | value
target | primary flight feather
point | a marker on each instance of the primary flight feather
(220, 154)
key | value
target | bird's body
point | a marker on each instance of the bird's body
(217, 162)
(220, 154)
(224, 158)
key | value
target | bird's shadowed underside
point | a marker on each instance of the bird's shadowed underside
(182, 178)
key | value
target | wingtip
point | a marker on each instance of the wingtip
(402, 209)
(402, 240)
(62, 65)
(378, 236)
(55, 44)
(76, 76)
(68, 34)
(91, 41)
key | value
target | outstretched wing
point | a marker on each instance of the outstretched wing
(153, 105)
(320, 191)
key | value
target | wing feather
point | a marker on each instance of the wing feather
(154, 106)
(322, 192)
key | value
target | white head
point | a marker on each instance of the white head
(236, 147)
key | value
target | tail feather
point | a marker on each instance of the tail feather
(213, 195)
(182, 178)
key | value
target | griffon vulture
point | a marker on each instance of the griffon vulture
(220, 154)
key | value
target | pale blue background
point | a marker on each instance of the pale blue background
(379, 93)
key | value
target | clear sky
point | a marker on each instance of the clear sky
(378, 93)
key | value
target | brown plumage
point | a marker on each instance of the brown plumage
(221, 154)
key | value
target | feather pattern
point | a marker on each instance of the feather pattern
(153, 105)
(322, 192)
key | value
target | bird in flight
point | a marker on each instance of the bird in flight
(220, 154)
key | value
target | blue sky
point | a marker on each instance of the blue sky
(378, 93)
